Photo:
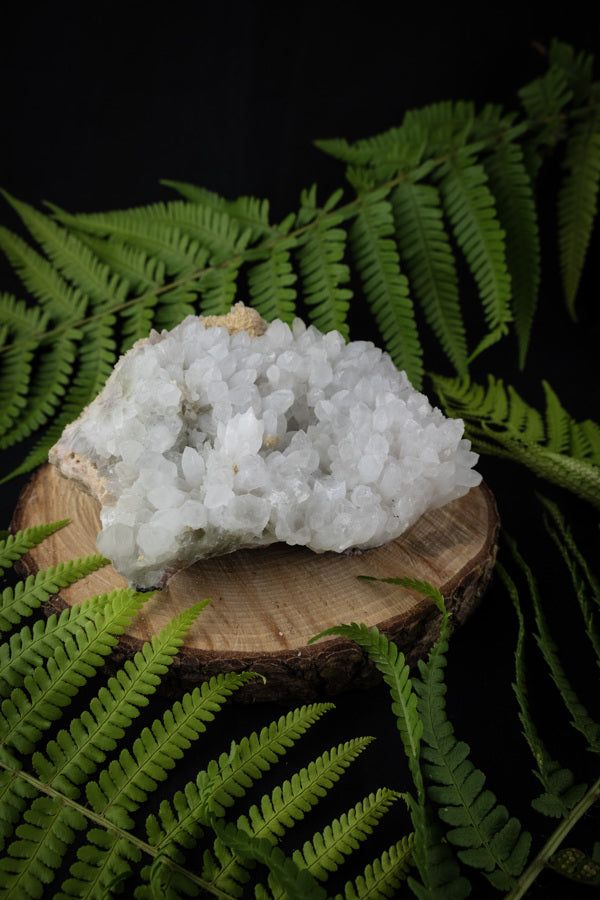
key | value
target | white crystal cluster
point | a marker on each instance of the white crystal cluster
(205, 441)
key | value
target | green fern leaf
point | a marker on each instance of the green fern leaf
(202, 228)
(577, 67)
(441, 878)
(585, 582)
(73, 259)
(434, 858)
(218, 288)
(427, 255)
(29, 595)
(383, 877)
(16, 545)
(65, 304)
(165, 243)
(271, 285)
(298, 884)
(31, 860)
(15, 795)
(577, 203)
(96, 360)
(49, 380)
(77, 752)
(320, 254)
(488, 838)
(28, 648)
(580, 718)
(391, 664)
(499, 422)
(249, 212)
(558, 429)
(26, 326)
(511, 186)
(326, 851)
(289, 802)
(125, 783)
(384, 286)
(229, 776)
(47, 690)
(561, 793)
(470, 207)
(545, 97)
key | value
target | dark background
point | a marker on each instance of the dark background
(100, 103)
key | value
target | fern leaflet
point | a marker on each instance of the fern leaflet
(561, 793)
(577, 203)
(384, 285)
(427, 255)
(488, 838)
(14, 546)
(470, 207)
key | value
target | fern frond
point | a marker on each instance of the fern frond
(545, 97)
(511, 186)
(15, 796)
(327, 849)
(297, 884)
(271, 284)
(30, 710)
(287, 804)
(585, 582)
(43, 838)
(73, 258)
(320, 254)
(77, 752)
(64, 303)
(577, 203)
(122, 786)
(580, 718)
(384, 876)
(500, 422)
(163, 242)
(561, 793)
(28, 648)
(47, 385)
(427, 255)
(229, 777)
(488, 838)
(16, 545)
(441, 878)
(391, 663)
(96, 360)
(471, 210)
(17, 358)
(218, 287)
(185, 225)
(440, 874)
(385, 287)
(28, 595)
(249, 212)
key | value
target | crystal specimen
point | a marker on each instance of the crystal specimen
(227, 432)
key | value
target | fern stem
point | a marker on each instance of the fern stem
(107, 825)
(553, 843)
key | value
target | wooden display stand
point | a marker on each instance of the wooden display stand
(267, 603)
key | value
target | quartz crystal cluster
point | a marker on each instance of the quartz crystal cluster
(206, 439)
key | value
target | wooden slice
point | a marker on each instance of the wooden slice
(267, 603)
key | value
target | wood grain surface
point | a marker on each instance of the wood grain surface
(267, 603)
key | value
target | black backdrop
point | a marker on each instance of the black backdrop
(100, 103)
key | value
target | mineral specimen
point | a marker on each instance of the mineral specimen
(227, 432)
